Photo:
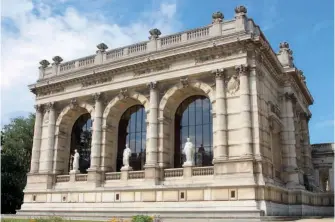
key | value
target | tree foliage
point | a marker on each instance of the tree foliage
(16, 145)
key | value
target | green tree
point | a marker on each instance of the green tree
(16, 145)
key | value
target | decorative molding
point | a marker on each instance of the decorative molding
(290, 96)
(57, 60)
(154, 33)
(157, 68)
(44, 63)
(102, 47)
(96, 81)
(217, 17)
(212, 57)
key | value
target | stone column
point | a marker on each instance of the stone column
(289, 143)
(245, 111)
(316, 178)
(97, 132)
(35, 154)
(152, 134)
(51, 138)
(221, 143)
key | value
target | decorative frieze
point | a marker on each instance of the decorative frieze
(151, 70)
(97, 81)
(212, 57)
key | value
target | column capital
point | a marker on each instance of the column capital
(50, 106)
(242, 70)
(152, 85)
(97, 96)
(219, 73)
(290, 96)
(123, 94)
(39, 108)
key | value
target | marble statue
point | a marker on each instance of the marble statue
(126, 156)
(189, 153)
(75, 163)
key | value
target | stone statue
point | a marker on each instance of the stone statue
(189, 153)
(126, 156)
(75, 163)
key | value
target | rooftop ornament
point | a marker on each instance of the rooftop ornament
(57, 60)
(240, 9)
(44, 63)
(217, 17)
(102, 47)
(154, 33)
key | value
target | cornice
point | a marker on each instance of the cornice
(142, 62)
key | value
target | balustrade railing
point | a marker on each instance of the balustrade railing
(176, 172)
(139, 48)
(87, 61)
(62, 178)
(170, 40)
(202, 171)
(136, 175)
(113, 176)
(81, 177)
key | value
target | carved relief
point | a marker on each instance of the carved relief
(93, 82)
(123, 94)
(73, 103)
(152, 85)
(208, 58)
(46, 92)
(150, 70)
(38, 108)
(233, 85)
(50, 106)
(184, 81)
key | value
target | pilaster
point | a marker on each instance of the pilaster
(35, 154)
(152, 134)
(221, 143)
(97, 132)
(46, 161)
(288, 142)
(245, 111)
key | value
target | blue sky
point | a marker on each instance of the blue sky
(36, 30)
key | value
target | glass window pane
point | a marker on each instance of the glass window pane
(184, 120)
(198, 135)
(206, 135)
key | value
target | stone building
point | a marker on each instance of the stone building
(244, 107)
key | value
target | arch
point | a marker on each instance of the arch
(110, 121)
(193, 88)
(64, 124)
(167, 109)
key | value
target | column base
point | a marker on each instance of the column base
(94, 176)
(153, 174)
(38, 181)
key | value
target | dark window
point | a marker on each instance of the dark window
(132, 131)
(232, 193)
(182, 195)
(193, 119)
(117, 196)
(81, 138)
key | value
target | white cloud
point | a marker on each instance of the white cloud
(42, 34)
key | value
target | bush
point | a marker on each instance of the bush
(142, 218)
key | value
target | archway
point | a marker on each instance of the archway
(193, 119)
(167, 109)
(63, 141)
(81, 138)
(132, 131)
(114, 116)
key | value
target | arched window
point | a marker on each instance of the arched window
(193, 119)
(132, 131)
(81, 138)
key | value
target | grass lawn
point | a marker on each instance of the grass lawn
(41, 220)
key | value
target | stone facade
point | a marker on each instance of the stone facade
(262, 163)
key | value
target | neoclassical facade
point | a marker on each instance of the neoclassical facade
(244, 106)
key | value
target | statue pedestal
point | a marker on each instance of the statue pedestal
(126, 168)
(74, 172)
(73, 175)
(187, 170)
(188, 164)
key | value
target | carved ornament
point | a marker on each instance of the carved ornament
(50, 106)
(233, 85)
(217, 17)
(240, 9)
(184, 81)
(102, 47)
(150, 70)
(219, 73)
(38, 108)
(95, 81)
(73, 103)
(242, 70)
(97, 96)
(123, 94)
(57, 60)
(154, 33)
(44, 63)
(207, 58)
